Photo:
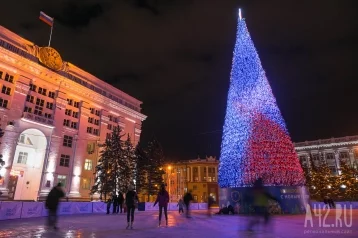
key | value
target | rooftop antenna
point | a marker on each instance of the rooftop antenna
(240, 16)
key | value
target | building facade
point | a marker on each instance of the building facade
(198, 176)
(54, 116)
(330, 150)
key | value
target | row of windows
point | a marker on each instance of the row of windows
(93, 121)
(94, 111)
(73, 103)
(39, 102)
(93, 131)
(37, 111)
(9, 78)
(71, 113)
(329, 156)
(69, 123)
(42, 91)
(64, 160)
(85, 184)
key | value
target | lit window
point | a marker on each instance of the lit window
(88, 164)
(62, 179)
(86, 183)
(22, 159)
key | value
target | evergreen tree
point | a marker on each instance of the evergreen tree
(102, 184)
(154, 170)
(141, 170)
(116, 168)
(320, 181)
(255, 141)
(348, 178)
(126, 165)
(2, 162)
(149, 173)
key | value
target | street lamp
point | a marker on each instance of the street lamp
(169, 172)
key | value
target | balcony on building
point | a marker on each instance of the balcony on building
(37, 119)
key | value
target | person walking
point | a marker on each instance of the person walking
(181, 206)
(52, 202)
(120, 200)
(131, 201)
(163, 200)
(187, 199)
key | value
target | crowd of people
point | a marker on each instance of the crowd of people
(117, 201)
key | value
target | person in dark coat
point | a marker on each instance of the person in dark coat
(120, 200)
(109, 202)
(52, 201)
(115, 204)
(131, 201)
(210, 205)
(187, 199)
(163, 200)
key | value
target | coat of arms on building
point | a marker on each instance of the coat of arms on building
(49, 57)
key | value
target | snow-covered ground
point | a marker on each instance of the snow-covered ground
(200, 225)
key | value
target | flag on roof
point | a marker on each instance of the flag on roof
(45, 18)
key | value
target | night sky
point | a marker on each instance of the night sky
(175, 56)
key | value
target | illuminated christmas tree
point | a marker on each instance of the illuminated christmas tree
(255, 142)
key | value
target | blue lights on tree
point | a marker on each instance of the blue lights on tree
(255, 142)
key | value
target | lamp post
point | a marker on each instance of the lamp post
(169, 168)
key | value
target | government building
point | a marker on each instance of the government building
(198, 176)
(54, 115)
(329, 150)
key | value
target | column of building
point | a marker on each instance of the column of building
(351, 156)
(54, 145)
(216, 174)
(336, 157)
(79, 150)
(199, 174)
(207, 174)
(9, 140)
(191, 173)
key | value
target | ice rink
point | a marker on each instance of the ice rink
(200, 225)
